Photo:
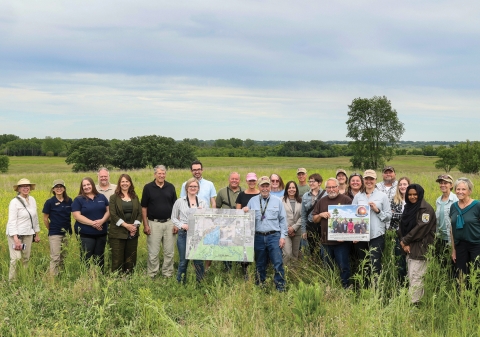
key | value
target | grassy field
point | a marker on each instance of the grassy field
(84, 302)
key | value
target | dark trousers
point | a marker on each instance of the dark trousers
(375, 248)
(313, 240)
(93, 247)
(442, 254)
(401, 260)
(341, 255)
(124, 254)
(467, 253)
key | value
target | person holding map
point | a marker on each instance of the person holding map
(338, 251)
(270, 233)
(380, 215)
(227, 199)
(181, 209)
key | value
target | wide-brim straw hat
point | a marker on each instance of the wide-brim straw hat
(24, 181)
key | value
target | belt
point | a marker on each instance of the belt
(266, 233)
(159, 220)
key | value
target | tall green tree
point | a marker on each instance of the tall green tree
(375, 129)
(468, 157)
(88, 154)
(448, 158)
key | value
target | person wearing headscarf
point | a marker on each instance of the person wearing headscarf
(416, 233)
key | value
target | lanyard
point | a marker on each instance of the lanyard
(188, 201)
(263, 210)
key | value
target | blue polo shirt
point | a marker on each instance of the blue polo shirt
(60, 216)
(93, 209)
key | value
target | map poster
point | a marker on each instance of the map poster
(349, 222)
(221, 235)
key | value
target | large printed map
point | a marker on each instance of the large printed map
(220, 234)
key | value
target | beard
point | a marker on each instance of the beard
(332, 195)
(388, 181)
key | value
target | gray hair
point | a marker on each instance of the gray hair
(103, 169)
(465, 181)
(231, 174)
(159, 167)
(332, 179)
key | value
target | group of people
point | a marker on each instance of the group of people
(287, 217)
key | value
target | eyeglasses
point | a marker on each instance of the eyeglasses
(275, 181)
(23, 186)
(192, 186)
(58, 186)
(355, 174)
(331, 187)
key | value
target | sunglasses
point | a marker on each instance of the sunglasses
(275, 181)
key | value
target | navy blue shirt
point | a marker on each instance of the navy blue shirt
(60, 215)
(93, 209)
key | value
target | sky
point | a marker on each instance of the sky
(264, 70)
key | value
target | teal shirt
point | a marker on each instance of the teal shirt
(471, 229)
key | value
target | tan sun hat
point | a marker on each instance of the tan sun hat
(58, 182)
(24, 181)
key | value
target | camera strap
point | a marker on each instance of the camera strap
(31, 220)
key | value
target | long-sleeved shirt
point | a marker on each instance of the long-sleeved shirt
(274, 217)
(378, 222)
(181, 211)
(443, 216)
(308, 200)
(19, 222)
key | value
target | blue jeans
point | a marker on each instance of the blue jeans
(183, 264)
(341, 254)
(93, 247)
(267, 246)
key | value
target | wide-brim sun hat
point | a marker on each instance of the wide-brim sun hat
(24, 181)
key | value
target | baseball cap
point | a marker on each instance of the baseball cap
(370, 173)
(264, 180)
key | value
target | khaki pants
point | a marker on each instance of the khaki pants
(416, 270)
(16, 255)
(291, 249)
(57, 253)
(160, 233)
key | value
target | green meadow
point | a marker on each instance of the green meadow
(84, 302)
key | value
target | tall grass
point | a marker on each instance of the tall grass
(82, 301)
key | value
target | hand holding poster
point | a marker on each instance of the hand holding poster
(349, 223)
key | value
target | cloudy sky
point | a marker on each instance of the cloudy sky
(265, 70)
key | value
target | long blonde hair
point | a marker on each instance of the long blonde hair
(398, 196)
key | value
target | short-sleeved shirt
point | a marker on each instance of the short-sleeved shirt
(303, 189)
(59, 214)
(207, 190)
(227, 198)
(243, 198)
(158, 200)
(93, 209)
(107, 192)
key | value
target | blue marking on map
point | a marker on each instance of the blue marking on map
(212, 238)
